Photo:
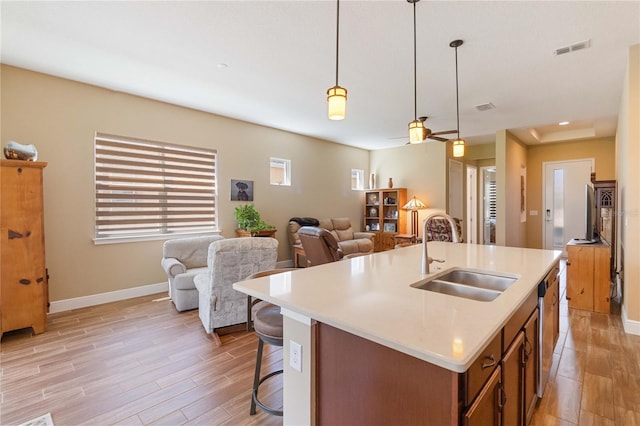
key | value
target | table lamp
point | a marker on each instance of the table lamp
(414, 205)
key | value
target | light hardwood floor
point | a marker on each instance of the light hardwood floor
(140, 362)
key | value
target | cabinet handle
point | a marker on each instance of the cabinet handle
(39, 280)
(503, 397)
(25, 281)
(492, 362)
(13, 234)
(568, 263)
(528, 348)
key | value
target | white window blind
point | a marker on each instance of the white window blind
(146, 188)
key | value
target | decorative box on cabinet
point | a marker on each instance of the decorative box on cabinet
(588, 276)
(24, 295)
(605, 192)
(384, 215)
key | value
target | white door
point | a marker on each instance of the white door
(563, 213)
(455, 189)
(472, 205)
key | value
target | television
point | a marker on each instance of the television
(591, 229)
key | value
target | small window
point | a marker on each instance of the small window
(149, 190)
(357, 179)
(280, 171)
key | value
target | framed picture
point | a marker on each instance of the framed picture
(389, 227)
(241, 190)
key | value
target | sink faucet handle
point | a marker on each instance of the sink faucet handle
(431, 260)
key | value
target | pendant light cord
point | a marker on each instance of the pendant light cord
(337, 36)
(457, 101)
(415, 72)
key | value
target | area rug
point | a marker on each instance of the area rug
(44, 420)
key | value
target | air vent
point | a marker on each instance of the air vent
(485, 107)
(574, 47)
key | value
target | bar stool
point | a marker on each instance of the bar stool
(266, 320)
(268, 326)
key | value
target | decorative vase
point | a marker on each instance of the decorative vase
(390, 182)
(17, 151)
(372, 181)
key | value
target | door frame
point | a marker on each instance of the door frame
(472, 204)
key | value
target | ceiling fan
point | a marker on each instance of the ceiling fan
(431, 135)
(435, 135)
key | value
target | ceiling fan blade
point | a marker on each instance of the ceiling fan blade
(437, 138)
(445, 132)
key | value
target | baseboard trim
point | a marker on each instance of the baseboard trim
(111, 296)
(630, 326)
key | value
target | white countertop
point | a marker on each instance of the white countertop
(370, 296)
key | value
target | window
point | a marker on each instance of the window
(357, 179)
(146, 189)
(279, 171)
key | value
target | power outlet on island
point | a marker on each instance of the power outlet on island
(295, 355)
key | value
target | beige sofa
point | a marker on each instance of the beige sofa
(350, 242)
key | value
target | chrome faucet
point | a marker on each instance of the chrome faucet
(426, 260)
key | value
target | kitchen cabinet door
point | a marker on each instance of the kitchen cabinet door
(513, 383)
(486, 409)
(530, 365)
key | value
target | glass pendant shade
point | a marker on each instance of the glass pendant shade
(337, 99)
(458, 148)
(417, 131)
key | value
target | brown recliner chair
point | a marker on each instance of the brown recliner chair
(320, 246)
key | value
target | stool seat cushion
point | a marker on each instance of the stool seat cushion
(268, 321)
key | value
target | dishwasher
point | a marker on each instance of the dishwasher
(548, 302)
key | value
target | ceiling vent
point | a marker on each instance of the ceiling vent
(485, 107)
(572, 48)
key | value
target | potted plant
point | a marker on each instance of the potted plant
(250, 224)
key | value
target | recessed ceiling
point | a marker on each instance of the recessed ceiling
(271, 62)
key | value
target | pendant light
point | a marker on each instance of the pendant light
(337, 96)
(417, 131)
(458, 144)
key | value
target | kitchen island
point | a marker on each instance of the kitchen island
(367, 304)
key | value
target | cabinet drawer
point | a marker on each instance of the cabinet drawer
(481, 369)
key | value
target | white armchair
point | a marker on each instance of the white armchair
(230, 261)
(182, 260)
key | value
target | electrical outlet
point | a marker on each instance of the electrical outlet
(295, 355)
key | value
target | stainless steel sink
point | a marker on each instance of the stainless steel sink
(478, 279)
(473, 293)
(469, 284)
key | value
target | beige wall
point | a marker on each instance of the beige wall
(628, 177)
(511, 155)
(61, 117)
(602, 150)
(421, 168)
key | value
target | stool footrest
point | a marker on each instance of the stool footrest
(257, 401)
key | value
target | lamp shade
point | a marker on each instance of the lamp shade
(458, 148)
(337, 99)
(414, 204)
(417, 131)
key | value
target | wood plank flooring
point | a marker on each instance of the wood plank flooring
(140, 362)
(135, 362)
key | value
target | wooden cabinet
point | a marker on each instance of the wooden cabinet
(513, 385)
(390, 387)
(384, 215)
(486, 409)
(588, 276)
(24, 295)
(530, 366)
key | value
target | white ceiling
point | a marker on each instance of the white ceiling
(280, 58)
